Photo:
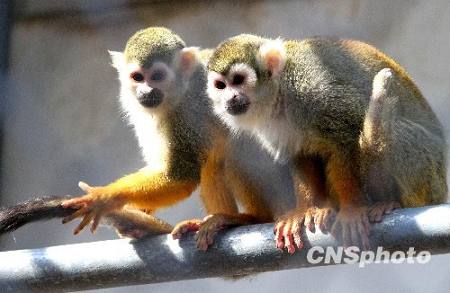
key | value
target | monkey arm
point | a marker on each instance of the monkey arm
(145, 189)
(134, 223)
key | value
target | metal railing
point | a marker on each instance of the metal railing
(239, 251)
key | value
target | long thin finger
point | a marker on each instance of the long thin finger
(279, 235)
(95, 223)
(76, 202)
(297, 234)
(365, 242)
(346, 238)
(288, 238)
(75, 215)
(367, 225)
(335, 228)
(319, 220)
(86, 220)
(329, 219)
(201, 239)
(354, 234)
(309, 222)
(371, 215)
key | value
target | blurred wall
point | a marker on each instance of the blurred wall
(62, 122)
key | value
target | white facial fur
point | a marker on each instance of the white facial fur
(220, 97)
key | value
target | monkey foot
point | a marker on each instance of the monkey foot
(213, 224)
(208, 227)
(352, 227)
(379, 209)
(288, 231)
(185, 227)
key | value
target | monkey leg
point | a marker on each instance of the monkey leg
(247, 192)
(313, 207)
(143, 190)
(134, 223)
(215, 196)
(352, 225)
(217, 190)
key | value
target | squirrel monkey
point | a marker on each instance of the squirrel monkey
(163, 93)
(358, 149)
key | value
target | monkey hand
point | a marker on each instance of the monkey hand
(352, 227)
(379, 209)
(321, 217)
(97, 202)
(288, 228)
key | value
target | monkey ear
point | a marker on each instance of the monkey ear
(117, 58)
(187, 61)
(272, 57)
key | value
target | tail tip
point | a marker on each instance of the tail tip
(381, 82)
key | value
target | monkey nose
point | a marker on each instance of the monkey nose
(152, 98)
(237, 105)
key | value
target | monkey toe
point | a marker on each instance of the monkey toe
(185, 227)
(310, 217)
(279, 239)
(380, 209)
(324, 218)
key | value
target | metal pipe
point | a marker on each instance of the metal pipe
(243, 250)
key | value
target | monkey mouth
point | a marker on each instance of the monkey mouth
(152, 99)
(237, 107)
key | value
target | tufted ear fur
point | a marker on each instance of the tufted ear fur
(117, 59)
(187, 61)
(272, 57)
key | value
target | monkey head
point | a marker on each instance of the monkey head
(154, 70)
(243, 79)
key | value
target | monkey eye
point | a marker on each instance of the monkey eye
(137, 77)
(220, 84)
(238, 79)
(158, 75)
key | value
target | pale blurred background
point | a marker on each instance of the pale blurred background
(61, 122)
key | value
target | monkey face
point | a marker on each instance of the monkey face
(234, 91)
(156, 88)
(243, 81)
(239, 98)
(150, 85)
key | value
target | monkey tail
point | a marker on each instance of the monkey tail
(379, 112)
(12, 218)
